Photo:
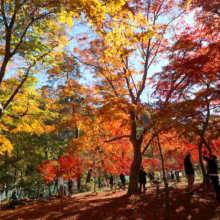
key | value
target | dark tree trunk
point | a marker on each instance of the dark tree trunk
(167, 203)
(99, 183)
(6, 188)
(77, 132)
(88, 178)
(79, 183)
(206, 178)
(49, 190)
(134, 170)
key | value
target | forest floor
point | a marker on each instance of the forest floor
(111, 205)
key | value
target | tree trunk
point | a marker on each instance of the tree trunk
(167, 203)
(49, 191)
(6, 183)
(77, 132)
(94, 176)
(206, 178)
(156, 203)
(78, 183)
(134, 170)
(99, 183)
(167, 211)
(55, 185)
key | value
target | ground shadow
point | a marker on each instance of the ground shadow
(183, 206)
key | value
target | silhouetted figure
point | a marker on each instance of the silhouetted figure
(70, 186)
(111, 182)
(189, 172)
(168, 176)
(122, 178)
(151, 176)
(180, 175)
(142, 178)
(177, 176)
(172, 177)
(213, 173)
(15, 196)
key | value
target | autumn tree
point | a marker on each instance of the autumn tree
(195, 56)
(128, 45)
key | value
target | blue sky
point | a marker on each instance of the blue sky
(78, 29)
(87, 79)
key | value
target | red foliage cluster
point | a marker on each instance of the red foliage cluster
(67, 166)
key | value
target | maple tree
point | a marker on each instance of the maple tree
(195, 57)
(122, 60)
(108, 124)
(33, 33)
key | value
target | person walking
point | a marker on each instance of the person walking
(189, 170)
(122, 178)
(180, 175)
(213, 172)
(168, 177)
(172, 177)
(70, 186)
(142, 178)
(151, 177)
(111, 182)
(177, 176)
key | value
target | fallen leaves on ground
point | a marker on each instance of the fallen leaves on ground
(110, 206)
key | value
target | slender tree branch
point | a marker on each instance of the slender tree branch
(118, 138)
(3, 14)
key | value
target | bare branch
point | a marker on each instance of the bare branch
(26, 29)
(3, 14)
(25, 77)
(118, 138)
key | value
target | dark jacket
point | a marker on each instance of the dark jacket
(15, 196)
(177, 174)
(151, 175)
(188, 166)
(111, 180)
(142, 176)
(70, 182)
(213, 167)
(122, 177)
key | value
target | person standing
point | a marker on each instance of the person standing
(122, 178)
(172, 177)
(189, 170)
(111, 182)
(168, 177)
(177, 176)
(213, 173)
(151, 177)
(142, 178)
(180, 175)
(70, 186)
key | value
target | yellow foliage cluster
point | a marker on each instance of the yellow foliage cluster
(5, 145)
(37, 127)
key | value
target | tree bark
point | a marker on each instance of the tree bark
(6, 183)
(156, 203)
(167, 203)
(134, 170)
(167, 211)
(78, 183)
(206, 178)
